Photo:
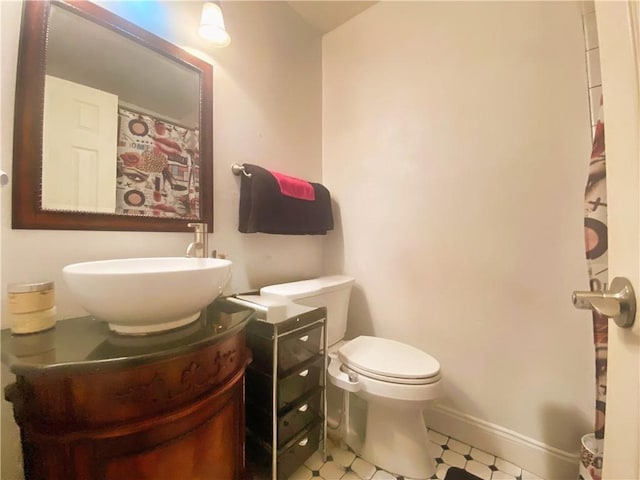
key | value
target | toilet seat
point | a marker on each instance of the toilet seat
(389, 361)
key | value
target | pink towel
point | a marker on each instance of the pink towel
(294, 187)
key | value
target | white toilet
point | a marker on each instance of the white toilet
(396, 380)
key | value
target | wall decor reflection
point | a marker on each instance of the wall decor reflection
(158, 167)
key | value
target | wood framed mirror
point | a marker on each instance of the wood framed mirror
(140, 155)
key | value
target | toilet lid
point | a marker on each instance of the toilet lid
(386, 359)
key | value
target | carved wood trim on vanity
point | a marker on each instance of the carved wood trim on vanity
(171, 419)
(195, 377)
(60, 402)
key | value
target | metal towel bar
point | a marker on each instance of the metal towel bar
(238, 169)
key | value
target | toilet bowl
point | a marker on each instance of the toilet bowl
(395, 380)
(398, 382)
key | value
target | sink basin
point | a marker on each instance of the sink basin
(147, 295)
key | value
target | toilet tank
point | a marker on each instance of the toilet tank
(331, 291)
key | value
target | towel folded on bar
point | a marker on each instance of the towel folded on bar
(294, 187)
(264, 208)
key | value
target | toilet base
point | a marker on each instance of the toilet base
(396, 439)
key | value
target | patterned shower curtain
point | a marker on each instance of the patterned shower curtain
(595, 229)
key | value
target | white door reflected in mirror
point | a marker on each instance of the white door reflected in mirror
(79, 147)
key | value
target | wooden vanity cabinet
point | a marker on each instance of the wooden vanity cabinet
(174, 416)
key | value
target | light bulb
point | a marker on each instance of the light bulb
(212, 25)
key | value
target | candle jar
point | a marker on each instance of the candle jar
(31, 307)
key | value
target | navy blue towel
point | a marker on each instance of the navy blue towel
(263, 207)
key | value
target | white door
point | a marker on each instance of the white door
(79, 147)
(618, 32)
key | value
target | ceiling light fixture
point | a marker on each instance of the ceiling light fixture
(212, 25)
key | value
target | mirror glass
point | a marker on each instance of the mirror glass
(119, 140)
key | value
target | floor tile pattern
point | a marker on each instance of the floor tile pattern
(343, 464)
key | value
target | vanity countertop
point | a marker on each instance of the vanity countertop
(83, 343)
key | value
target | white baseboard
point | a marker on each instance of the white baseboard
(543, 460)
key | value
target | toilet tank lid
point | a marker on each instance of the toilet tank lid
(308, 288)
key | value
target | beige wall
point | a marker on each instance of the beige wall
(267, 110)
(456, 140)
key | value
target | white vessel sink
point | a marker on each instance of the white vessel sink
(146, 295)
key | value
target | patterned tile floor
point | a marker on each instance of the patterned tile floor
(343, 464)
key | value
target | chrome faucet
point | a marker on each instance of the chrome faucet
(198, 248)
